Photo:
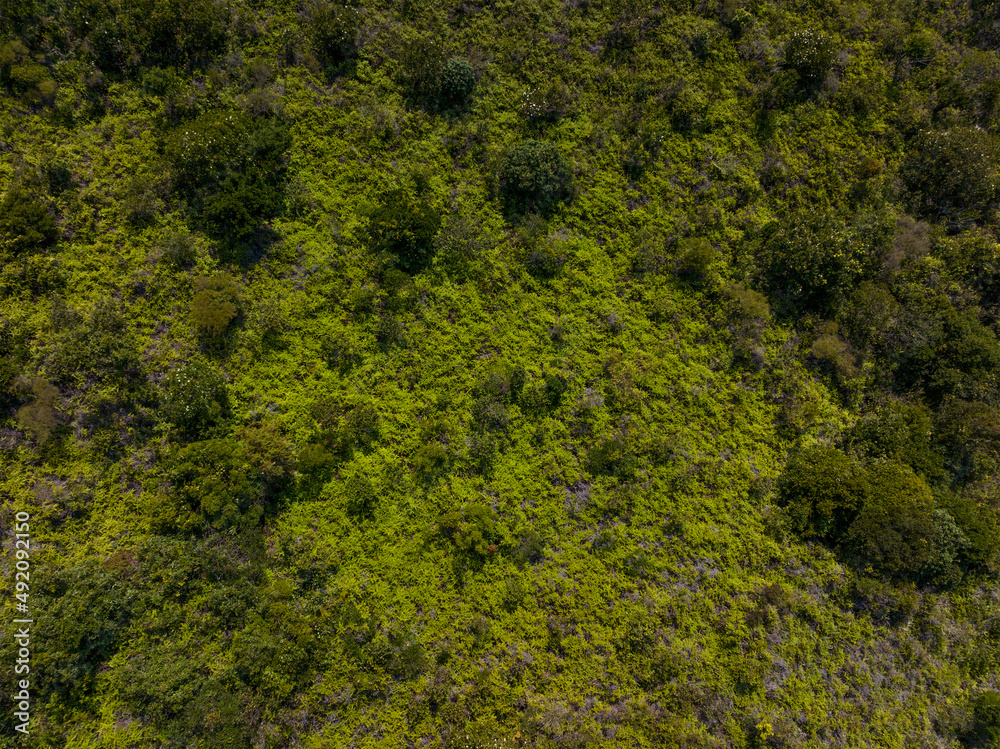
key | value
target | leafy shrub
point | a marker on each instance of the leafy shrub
(823, 491)
(472, 529)
(489, 413)
(546, 104)
(835, 354)
(89, 609)
(361, 496)
(960, 359)
(811, 55)
(868, 317)
(614, 456)
(899, 431)
(194, 398)
(535, 176)
(980, 527)
(894, 530)
(952, 174)
(531, 548)
(458, 79)
(270, 456)
(695, 256)
(810, 260)
(210, 487)
(216, 303)
(334, 29)
(948, 545)
(985, 729)
(25, 225)
(231, 170)
(429, 460)
(123, 36)
(103, 350)
(39, 418)
(177, 249)
(887, 604)
(404, 227)
(968, 434)
(422, 60)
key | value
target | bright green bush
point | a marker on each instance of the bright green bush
(194, 398)
(535, 176)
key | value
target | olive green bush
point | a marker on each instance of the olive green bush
(951, 175)
(215, 305)
(810, 55)
(823, 491)
(895, 527)
(458, 80)
(25, 224)
(535, 177)
(231, 171)
(195, 398)
(403, 228)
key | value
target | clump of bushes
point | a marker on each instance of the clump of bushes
(952, 174)
(472, 529)
(231, 171)
(195, 398)
(216, 303)
(884, 518)
(177, 249)
(39, 418)
(810, 55)
(535, 176)
(25, 224)
(334, 29)
(403, 228)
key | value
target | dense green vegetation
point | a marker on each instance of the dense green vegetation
(484, 374)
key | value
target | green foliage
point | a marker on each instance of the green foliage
(895, 529)
(231, 171)
(404, 227)
(472, 530)
(985, 729)
(811, 55)
(104, 350)
(809, 261)
(961, 359)
(535, 177)
(361, 496)
(952, 174)
(195, 398)
(614, 456)
(899, 431)
(89, 609)
(334, 29)
(695, 257)
(40, 418)
(458, 80)
(124, 35)
(823, 491)
(215, 304)
(210, 486)
(177, 249)
(25, 224)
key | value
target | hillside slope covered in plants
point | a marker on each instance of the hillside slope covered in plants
(480, 373)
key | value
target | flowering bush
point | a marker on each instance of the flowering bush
(194, 397)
